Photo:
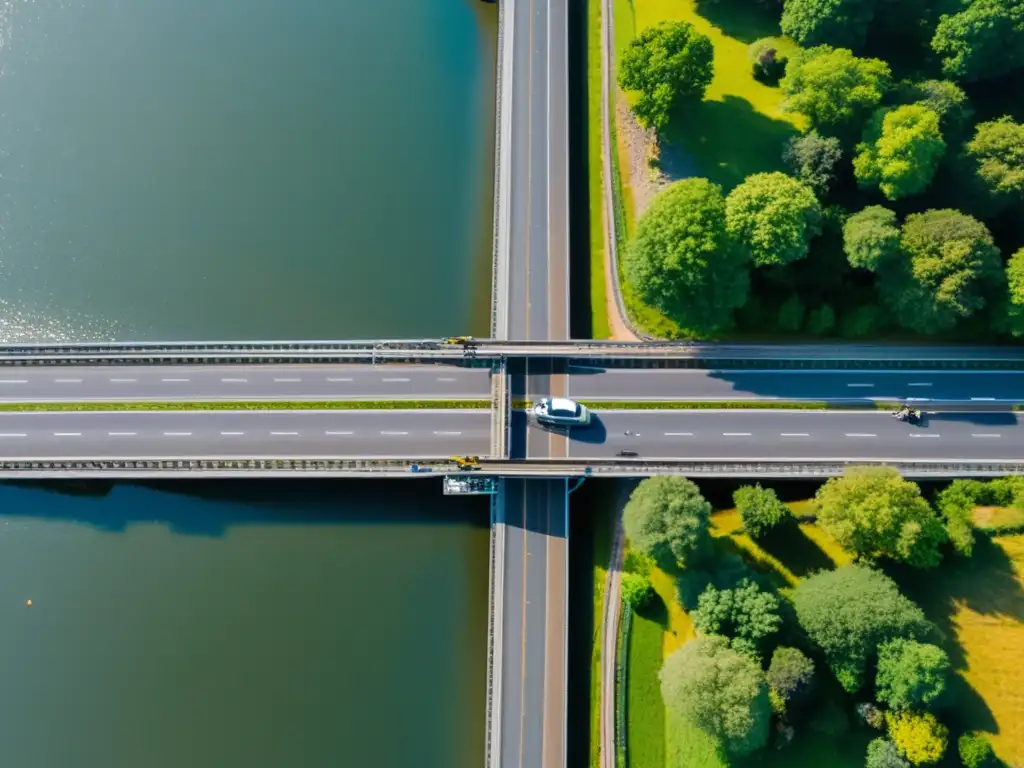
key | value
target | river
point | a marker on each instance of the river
(267, 169)
(256, 625)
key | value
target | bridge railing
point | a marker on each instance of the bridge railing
(418, 468)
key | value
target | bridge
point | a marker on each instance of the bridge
(315, 408)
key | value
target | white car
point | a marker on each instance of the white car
(561, 411)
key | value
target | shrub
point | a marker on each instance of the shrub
(760, 509)
(636, 589)
(975, 751)
(767, 63)
(882, 753)
(920, 738)
(911, 675)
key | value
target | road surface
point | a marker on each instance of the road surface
(680, 384)
(248, 434)
(533, 706)
(243, 382)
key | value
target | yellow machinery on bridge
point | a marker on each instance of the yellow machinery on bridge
(467, 463)
(459, 340)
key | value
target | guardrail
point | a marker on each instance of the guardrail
(579, 351)
(122, 468)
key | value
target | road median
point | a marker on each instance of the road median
(251, 405)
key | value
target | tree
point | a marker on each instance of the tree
(791, 314)
(956, 505)
(911, 675)
(760, 509)
(636, 589)
(984, 40)
(1015, 285)
(821, 321)
(667, 518)
(837, 22)
(666, 64)
(871, 238)
(720, 691)
(995, 158)
(943, 97)
(849, 612)
(767, 63)
(744, 614)
(919, 738)
(874, 512)
(900, 152)
(950, 263)
(773, 217)
(975, 751)
(812, 158)
(790, 676)
(882, 753)
(833, 88)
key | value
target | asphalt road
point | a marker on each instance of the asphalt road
(243, 382)
(968, 435)
(680, 384)
(249, 434)
(534, 626)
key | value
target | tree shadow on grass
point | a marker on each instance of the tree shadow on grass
(793, 548)
(724, 141)
(741, 19)
(654, 610)
(986, 584)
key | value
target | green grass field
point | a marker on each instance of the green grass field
(599, 328)
(645, 716)
(978, 604)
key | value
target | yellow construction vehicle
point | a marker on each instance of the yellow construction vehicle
(467, 462)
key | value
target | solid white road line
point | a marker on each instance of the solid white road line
(68, 381)
(329, 432)
(284, 434)
(394, 433)
(67, 434)
(860, 434)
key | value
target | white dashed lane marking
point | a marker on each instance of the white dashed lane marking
(860, 434)
(987, 434)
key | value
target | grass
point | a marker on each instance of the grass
(599, 327)
(978, 604)
(645, 716)
(602, 548)
(998, 518)
(255, 405)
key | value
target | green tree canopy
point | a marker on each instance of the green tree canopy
(812, 158)
(683, 262)
(833, 88)
(874, 512)
(995, 157)
(773, 217)
(666, 64)
(636, 589)
(760, 509)
(984, 40)
(919, 737)
(943, 97)
(790, 675)
(871, 238)
(949, 265)
(975, 751)
(900, 152)
(720, 691)
(849, 612)
(667, 518)
(745, 614)
(911, 675)
(1015, 284)
(882, 753)
(836, 22)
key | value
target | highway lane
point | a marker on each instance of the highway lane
(796, 435)
(682, 384)
(242, 382)
(248, 434)
(535, 611)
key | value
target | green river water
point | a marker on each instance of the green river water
(267, 169)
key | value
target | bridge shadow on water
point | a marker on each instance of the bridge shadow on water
(211, 507)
